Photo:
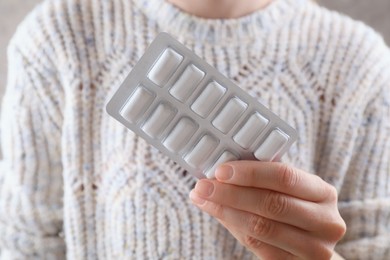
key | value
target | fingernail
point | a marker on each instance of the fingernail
(224, 173)
(196, 199)
(204, 188)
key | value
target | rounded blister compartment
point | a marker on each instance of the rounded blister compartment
(187, 83)
(226, 156)
(271, 146)
(208, 99)
(164, 67)
(230, 113)
(197, 157)
(182, 132)
(252, 128)
(159, 120)
(136, 104)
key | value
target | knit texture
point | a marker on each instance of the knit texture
(75, 183)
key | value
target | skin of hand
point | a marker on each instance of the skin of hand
(275, 210)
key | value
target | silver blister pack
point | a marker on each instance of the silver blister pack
(189, 111)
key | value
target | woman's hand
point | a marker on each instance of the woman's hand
(276, 211)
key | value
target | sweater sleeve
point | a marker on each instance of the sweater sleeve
(366, 205)
(365, 195)
(31, 185)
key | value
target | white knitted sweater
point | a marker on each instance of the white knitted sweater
(75, 182)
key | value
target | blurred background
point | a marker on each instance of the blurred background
(373, 12)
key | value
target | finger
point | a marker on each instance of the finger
(275, 176)
(273, 205)
(261, 249)
(279, 235)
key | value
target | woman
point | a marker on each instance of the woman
(76, 183)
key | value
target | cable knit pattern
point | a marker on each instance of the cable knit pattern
(77, 184)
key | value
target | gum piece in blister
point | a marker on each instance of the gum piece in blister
(164, 67)
(226, 156)
(208, 99)
(250, 130)
(202, 150)
(137, 104)
(229, 115)
(158, 121)
(187, 82)
(271, 146)
(178, 138)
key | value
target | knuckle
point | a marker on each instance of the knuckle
(332, 227)
(289, 177)
(318, 250)
(218, 210)
(323, 252)
(327, 191)
(331, 192)
(252, 242)
(342, 230)
(276, 204)
(339, 228)
(260, 227)
(327, 254)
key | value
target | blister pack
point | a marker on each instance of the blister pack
(189, 111)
